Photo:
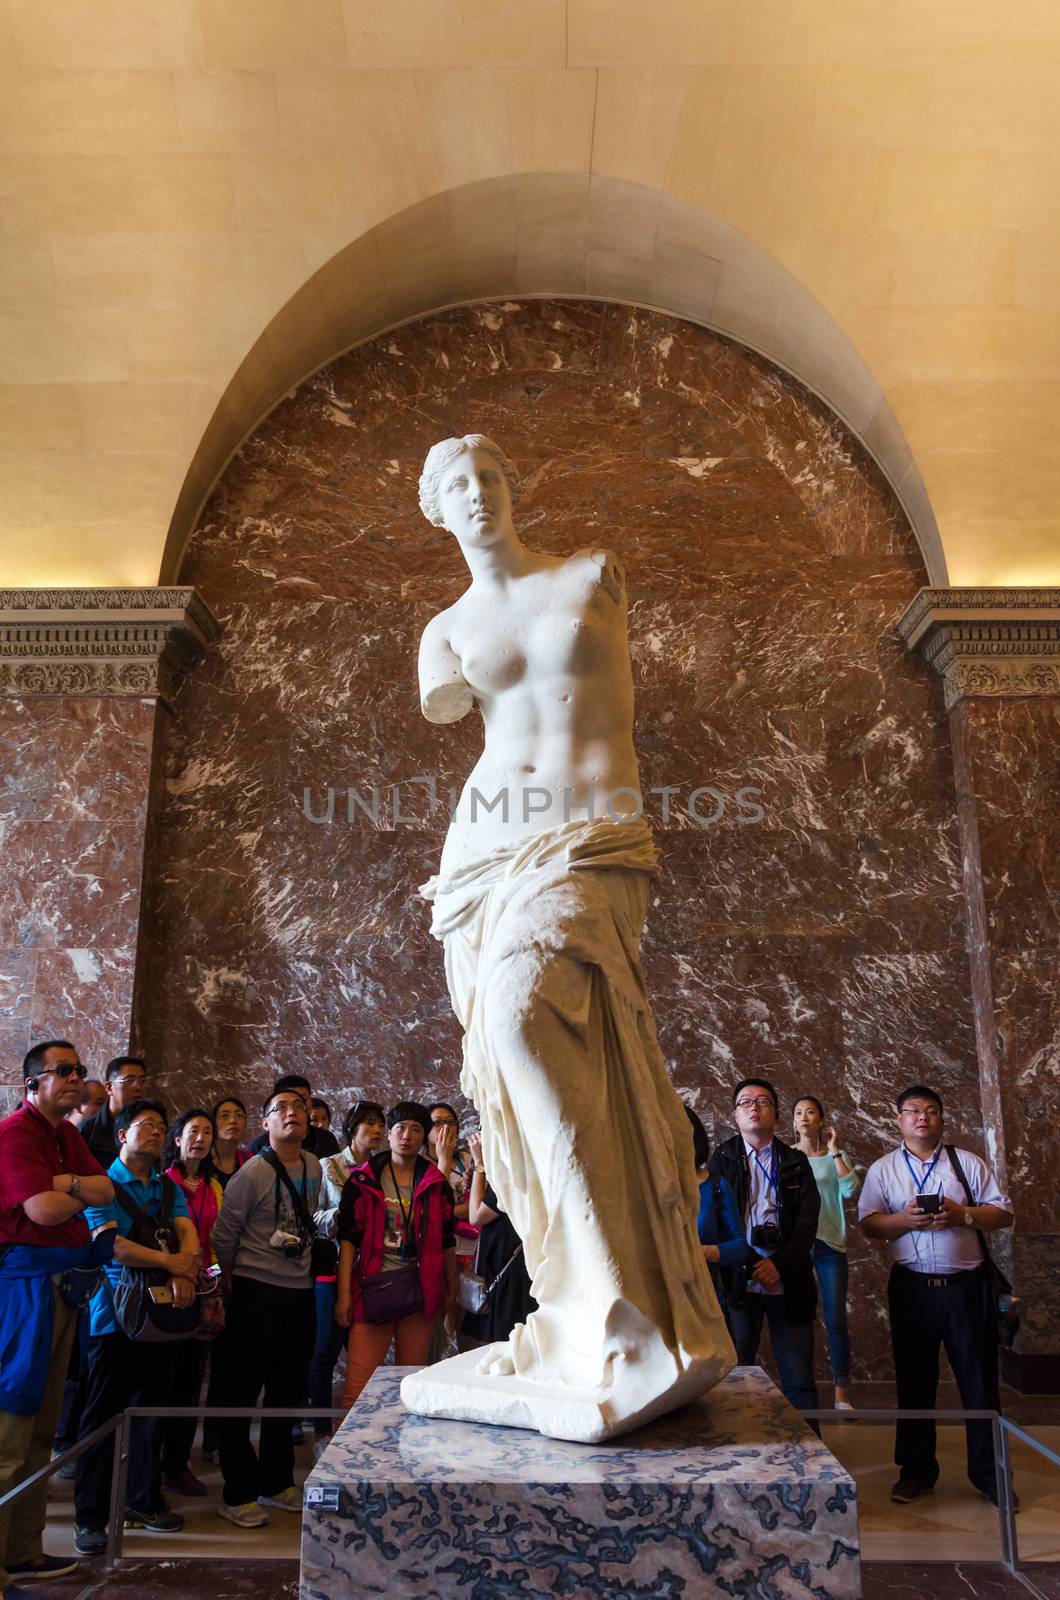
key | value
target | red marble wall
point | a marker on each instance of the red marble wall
(766, 564)
(73, 809)
(1007, 762)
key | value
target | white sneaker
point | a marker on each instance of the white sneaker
(249, 1515)
(287, 1500)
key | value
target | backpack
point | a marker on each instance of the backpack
(137, 1313)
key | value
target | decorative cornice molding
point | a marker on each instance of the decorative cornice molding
(134, 642)
(996, 643)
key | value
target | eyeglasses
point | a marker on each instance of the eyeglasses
(919, 1111)
(286, 1105)
(151, 1124)
(761, 1101)
(68, 1069)
(129, 1083)
(443, 1122)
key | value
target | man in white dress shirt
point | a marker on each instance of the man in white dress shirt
(938, 1293)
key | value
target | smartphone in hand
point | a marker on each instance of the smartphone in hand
(930, 1202)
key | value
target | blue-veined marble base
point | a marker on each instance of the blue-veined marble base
(732, 1495)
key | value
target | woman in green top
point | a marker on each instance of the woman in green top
(837, 1181)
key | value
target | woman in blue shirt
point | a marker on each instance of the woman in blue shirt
(721, 1232)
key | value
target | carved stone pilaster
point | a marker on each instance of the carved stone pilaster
(135, 642)
(987, 642)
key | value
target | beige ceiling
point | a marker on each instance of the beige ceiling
(196, 192)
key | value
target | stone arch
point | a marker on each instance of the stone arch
(556, 234)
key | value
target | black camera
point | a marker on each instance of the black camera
(766, 1236)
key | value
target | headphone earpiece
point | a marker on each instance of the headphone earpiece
(32, 1085)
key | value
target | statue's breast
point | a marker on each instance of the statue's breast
(494, 659)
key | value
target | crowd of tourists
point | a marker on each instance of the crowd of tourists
(230, 1259)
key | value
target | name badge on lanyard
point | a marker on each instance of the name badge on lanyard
(769, 1173)
(920, 1185)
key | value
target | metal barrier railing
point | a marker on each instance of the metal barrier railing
(1002, 1427)
(120, 1425)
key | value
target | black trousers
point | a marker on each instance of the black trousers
(268, 1342)
(122, 1372)
(960, 1317)
(189, 1365)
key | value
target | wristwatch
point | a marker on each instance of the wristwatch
(969, 1220)
(75, 1185)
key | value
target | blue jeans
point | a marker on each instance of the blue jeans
(832, 1275)
(792, 1346)
(328, 1343)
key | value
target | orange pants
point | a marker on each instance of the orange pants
(370, 1341)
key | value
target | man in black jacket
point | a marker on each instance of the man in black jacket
(778, 1199)
(126, 1081)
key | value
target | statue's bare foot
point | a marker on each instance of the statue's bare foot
(497, 1361)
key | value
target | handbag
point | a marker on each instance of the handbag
(138, 1314)
(389, 1296)
(1003, 1301)
(211, 1307)
(473, 1292)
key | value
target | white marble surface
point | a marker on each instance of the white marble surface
(732, 1494)
(539, 902)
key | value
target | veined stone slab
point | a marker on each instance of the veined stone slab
(732, 1494)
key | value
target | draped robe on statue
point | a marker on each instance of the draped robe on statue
(584, 1138)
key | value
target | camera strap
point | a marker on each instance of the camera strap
(305, 1222)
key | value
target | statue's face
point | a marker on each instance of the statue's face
(475, 499)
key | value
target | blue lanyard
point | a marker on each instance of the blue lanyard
(770, 1172)
(920, 1185)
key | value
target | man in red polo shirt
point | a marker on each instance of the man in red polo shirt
(47, 1178)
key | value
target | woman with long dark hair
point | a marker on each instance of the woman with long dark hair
(837, 1181)
(229, 1118)
(186, 1159)
(721, 1233)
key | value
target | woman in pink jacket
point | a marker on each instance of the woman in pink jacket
(397, 1252)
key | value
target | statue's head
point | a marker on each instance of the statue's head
(443, 457)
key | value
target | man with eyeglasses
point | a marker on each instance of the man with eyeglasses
(126, 1081)
(319, 1139)
(122, 1371)
(263, 1240)
(47, 1179)
(938, 1292)
(780, 1203)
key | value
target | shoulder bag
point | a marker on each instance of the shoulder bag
(473, 1292)
(1002, 1299)
(137, 1311)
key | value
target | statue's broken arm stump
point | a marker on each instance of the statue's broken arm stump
(731, 1494)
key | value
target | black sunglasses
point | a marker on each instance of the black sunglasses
(68, 1069)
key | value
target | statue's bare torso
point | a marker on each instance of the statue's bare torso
(546, 657)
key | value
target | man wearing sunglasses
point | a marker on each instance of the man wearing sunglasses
(126, 1081)
(47, 1179)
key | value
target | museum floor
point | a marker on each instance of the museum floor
(954, 1529)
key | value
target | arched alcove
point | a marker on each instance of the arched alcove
(821, 942)
(548, 234)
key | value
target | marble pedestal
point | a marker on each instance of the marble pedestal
(731, 1495)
